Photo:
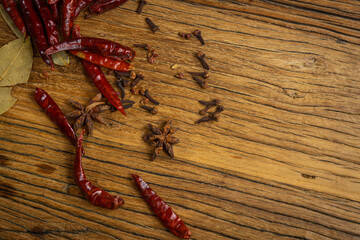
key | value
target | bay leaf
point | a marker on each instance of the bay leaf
(6, 100)
(15, 67)
(61, 58)
(16, 62)
(10, 22)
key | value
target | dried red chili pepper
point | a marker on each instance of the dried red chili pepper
(69, 8)
(48, 20)
(103, 6)
(54, 112)
(95, 195)
(36, 30)
(99, 79)
(107, 62)
(102, 46)
(55, 12)
(11, 8)
(161, 209)
(81, 5)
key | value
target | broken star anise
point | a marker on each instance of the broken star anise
(85, 116)
(162, 140)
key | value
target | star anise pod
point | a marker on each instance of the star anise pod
(85, 116)
(162, 140)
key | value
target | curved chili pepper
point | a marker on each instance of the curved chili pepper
(55, 12)
(95, 195)
(81, 5)
(49, 22)
(69, 7)
(36, 30)
(107, 62)
(11, 8)
(54, 112)
(99, 79)
(103, 6)
(104, 47)
(161, 209)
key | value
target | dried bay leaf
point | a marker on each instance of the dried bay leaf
(16, 62)
(15, 66)
(10, 22)
(6, 100)
(61, 58)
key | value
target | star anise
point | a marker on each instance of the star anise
(85, 116)
(162, 140)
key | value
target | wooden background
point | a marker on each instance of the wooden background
(288, 75)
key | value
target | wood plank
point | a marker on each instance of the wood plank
(281, 163)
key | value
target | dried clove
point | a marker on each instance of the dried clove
(144, 46)
(215, 116)
(138, 78)
(201, 57)
(204, 74)
(151, 99)
(142, 3)
(152, 110)
(144, 101)
(120, 84)
(180, 75)
(118, 74)
(152, 25)
(197, 33)
(127, 101)
(208, 105)
(202, 83)
(151, 56)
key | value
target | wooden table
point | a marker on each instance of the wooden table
(283, 162)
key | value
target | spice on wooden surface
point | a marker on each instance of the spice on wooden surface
(161, 140)
(152, 110)
(201, 57)
(202, 83)
(142, 3)
(138, 78)
(204, 74)
(208, 105)
(214, 116)
(197, 33)
(180, 75)
(152, 25)
(151, 56)
(151, 99)
(85, 116)
(144, 46)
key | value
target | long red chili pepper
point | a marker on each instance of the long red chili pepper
(55, 12)
(99, 79)
(36, 30)
(54, 112)
(107, 62)
(11, 8)
(49, 22)
(69, 7)
(162, 210)
(81, 5)
(102, 46)
(103, 6)
(94, 194)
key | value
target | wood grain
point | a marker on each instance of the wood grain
(282, 163)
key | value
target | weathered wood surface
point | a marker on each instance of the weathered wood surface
(287, 73)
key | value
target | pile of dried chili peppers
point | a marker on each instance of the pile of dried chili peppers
(41, 20)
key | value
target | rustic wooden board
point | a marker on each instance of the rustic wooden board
(287, 73)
